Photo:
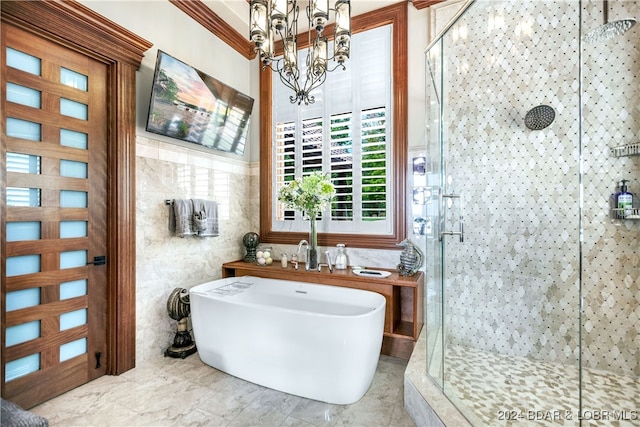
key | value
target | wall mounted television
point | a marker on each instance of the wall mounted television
(192, 106)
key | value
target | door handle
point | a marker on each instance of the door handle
(442, 231)
(98, 260)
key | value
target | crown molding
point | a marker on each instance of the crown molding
(82, 27)
(421, 4)
(203, 15)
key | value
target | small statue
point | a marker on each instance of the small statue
(410, 259)
(251, 241)
(179, 308)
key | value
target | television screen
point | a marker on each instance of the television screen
(189, 105)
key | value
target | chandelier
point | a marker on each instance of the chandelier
(269, 18)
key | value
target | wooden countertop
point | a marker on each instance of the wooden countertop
(276, 271)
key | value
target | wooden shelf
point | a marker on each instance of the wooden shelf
(404, 296)
(404, 328)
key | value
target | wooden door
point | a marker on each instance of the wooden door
(54, 218)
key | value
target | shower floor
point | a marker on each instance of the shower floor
(493, 389)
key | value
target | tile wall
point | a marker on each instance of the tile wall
(611, 249)
(164, 261)
(514, 286)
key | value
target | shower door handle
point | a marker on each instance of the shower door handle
(442, 232)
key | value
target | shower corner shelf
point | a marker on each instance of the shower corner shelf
(630, 214)
(626, 150)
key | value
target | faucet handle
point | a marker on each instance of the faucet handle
(325, 265)
(329, 261)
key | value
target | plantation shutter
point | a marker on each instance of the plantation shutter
(285, 162)
(341, 160)
(345, 134)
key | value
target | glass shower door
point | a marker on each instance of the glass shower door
(505, 263)
(434, 245)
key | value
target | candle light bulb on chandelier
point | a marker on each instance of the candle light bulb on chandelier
(320, 55)
(279, 14)
(266, 51)
(290, 55)
(343, 21)
(320, 14)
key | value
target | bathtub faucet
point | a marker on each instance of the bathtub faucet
(306, 259)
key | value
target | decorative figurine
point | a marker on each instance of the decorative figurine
(410, 259)
(179, 308)
(251, 241)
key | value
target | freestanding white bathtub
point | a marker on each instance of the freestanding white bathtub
(316, 341)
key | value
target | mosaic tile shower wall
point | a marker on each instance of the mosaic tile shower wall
(611, 251)
(514, 285)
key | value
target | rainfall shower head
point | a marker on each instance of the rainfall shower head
(608, 30)
(539, 117)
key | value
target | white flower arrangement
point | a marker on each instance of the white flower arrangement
(310, 194)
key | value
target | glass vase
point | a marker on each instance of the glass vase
(312, 258)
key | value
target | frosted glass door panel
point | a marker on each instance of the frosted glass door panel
(73, 349)
(70, 229)
(73, 259)
(23, 333)
(23, 299)
(73, 319)
(23, 129)
(73, 169)
(73, 199)
(21, 367)
(21, 231)
(73, 109)
(25, 197)
(73, 289)
(23, 163)
(73, 79)
(22, 61)
(70, 138)
(24, 95)
(24, 264)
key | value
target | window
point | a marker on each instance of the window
(355, 132)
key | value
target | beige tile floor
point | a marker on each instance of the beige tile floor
(177, 392)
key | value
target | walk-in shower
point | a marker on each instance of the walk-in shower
(533, 317)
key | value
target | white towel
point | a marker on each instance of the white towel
(205, 217)
(181, 218)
